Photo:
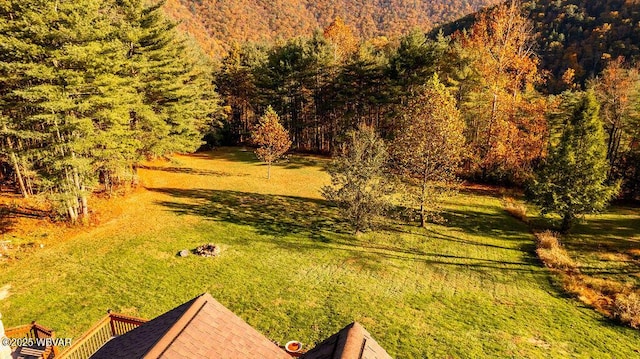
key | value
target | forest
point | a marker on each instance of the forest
(576, 35)
(331, 81)
(95, 89)
(217, 24)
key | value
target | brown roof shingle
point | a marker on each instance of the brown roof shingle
(200, 328)
(352, 342)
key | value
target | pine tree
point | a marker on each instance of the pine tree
(64, 81)
(236, 84)
(271, 138)
(89, 87)
(359, 185)
(415, 61)
(572, 182)
(179, 100)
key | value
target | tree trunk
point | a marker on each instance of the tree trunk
(423, 214)
(269, 170)
(567, 223)
(488, 142)
(73, 214)
(610, 143)
(85, 205)
(81, 192)
(16, 166)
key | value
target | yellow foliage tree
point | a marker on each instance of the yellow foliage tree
(342, 37)
(428, 148)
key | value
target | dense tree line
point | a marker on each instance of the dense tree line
(89, 88)
(325, 85)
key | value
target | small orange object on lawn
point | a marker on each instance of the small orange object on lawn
(293, 346)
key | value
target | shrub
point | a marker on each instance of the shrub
(607, 286)
(556, 258)
(515, 209)
(576, 285)
(552, 254)
(626, 308)
(547, 240)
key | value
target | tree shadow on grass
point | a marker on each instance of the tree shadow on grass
(234, 154)
(246, 155)
(8, 215)
(605, 247)
(506, 233)
(277, 217)
(189, 171)
(296, 162)
(482, 223)
(486, 191)
(268, 214)
(6, 220)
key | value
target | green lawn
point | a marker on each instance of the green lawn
(470, 288)
(607, 246)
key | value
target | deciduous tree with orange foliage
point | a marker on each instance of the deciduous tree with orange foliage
(505, 115)
(271, 138)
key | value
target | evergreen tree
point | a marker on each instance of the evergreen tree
(416, 59)
(358, 180)
(572, 182)
(87, 88)
(179, 99)
(236, 83)
(64, 80)
(362, 90)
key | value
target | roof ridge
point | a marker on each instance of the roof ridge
(354, 343)
(169, 337)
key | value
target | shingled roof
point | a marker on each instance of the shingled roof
(352, 342)
(200, 328)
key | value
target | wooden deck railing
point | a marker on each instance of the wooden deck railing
(112, 325)
(34, 331)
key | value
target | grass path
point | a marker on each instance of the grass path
(469, 289)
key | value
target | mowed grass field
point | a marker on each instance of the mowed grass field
(469, 288)
(607, 246)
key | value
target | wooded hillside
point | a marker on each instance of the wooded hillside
(579, 35)
(225, 21)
